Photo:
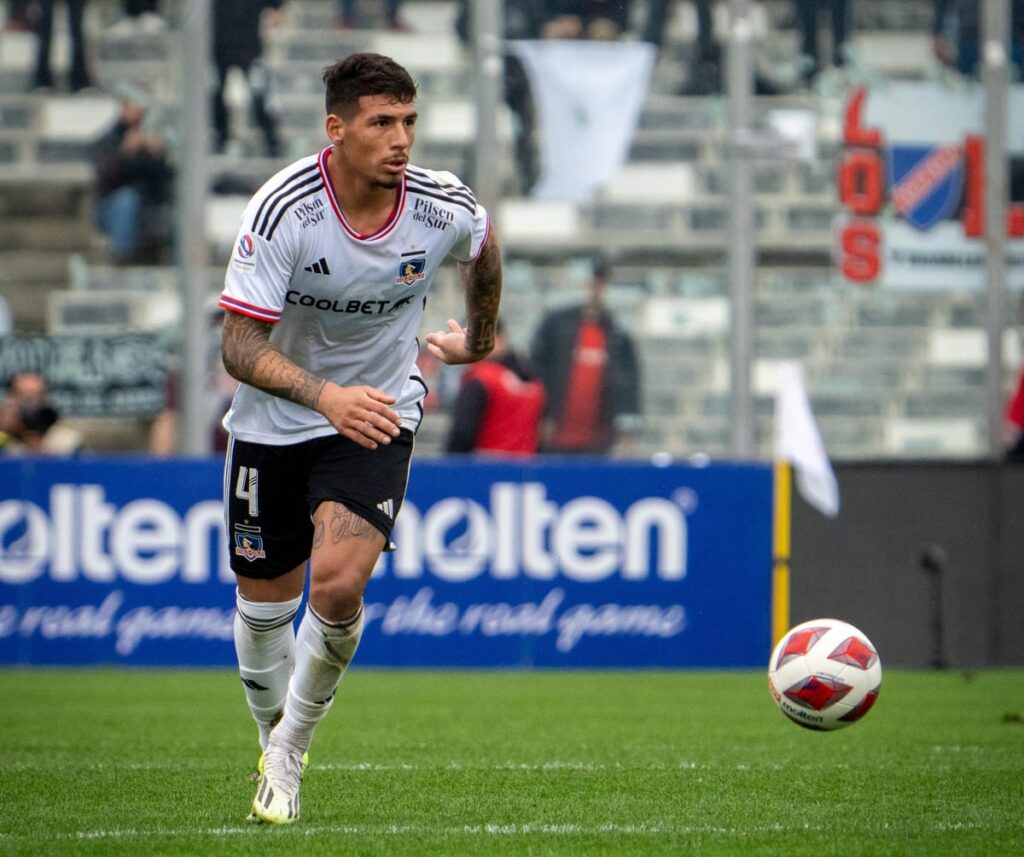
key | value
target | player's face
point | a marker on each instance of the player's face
(376, 141)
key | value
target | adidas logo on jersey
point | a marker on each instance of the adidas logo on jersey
(318, 267)
(388, 508)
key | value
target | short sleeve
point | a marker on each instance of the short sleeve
(473, 235)
(259, 272)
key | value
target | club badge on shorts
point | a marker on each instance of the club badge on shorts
(249, 543)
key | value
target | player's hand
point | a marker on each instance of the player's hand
(360, 413)
(452, 347)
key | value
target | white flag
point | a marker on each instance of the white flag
(588, 97)
(798, 441)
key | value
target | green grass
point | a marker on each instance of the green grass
(560, 763)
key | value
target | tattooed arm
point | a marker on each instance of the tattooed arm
(481, 280)
(359, 413)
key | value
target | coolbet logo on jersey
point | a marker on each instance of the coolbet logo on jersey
(370, 307)
(411, 270)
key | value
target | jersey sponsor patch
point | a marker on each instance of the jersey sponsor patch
(309, 213)
(244, 258)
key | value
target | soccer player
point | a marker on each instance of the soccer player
(324, 295)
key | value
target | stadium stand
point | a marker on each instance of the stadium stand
(890, 375)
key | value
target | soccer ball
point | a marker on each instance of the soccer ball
(824, 674)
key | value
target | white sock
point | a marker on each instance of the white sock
(323, 653)
(265, 645)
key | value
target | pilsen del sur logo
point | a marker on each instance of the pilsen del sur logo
(923, 184)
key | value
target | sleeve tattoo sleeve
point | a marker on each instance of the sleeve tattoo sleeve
(481, 281)
(250, 357)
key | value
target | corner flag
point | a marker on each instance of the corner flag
(798, 441)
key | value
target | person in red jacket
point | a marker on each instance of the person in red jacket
(499, 406)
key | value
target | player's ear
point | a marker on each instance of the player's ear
(335, 127)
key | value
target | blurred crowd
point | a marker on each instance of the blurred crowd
(577, 388)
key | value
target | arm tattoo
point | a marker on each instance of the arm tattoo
(481, 280)
(250, 357)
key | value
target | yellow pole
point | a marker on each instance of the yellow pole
(780, 549)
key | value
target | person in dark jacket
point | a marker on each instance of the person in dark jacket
(499, 406)
(588, 365)
(238, 43)
(133, 186)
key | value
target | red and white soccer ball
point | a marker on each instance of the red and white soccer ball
(824, 674)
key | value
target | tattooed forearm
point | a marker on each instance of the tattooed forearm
(250, 357)
(481, 281)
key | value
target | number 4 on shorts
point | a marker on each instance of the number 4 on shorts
(247, 488)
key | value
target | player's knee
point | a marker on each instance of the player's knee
(337, 597)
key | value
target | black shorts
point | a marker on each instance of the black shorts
(271, 492)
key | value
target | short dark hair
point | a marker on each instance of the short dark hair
(357, 75)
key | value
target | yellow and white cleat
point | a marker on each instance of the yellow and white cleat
(277, 795)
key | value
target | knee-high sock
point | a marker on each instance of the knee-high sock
(323, 653)
(265, 645)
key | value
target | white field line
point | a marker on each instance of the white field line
(493, 830)
(486, 830)
(554, 765)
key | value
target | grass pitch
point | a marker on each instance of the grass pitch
(543, 763)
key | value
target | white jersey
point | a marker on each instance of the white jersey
(345, 306)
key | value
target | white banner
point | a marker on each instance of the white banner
(941, 259)
(588, 97)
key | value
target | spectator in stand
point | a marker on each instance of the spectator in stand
(589, 367)
(28, 421)
(499, 406)
(348, 20)
(238, 31)
(133, 187)
(524, 19)
(1014, 425)
(601, 20)
(78, 76)
(807, 15)
(956, 34)
(704, 77)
